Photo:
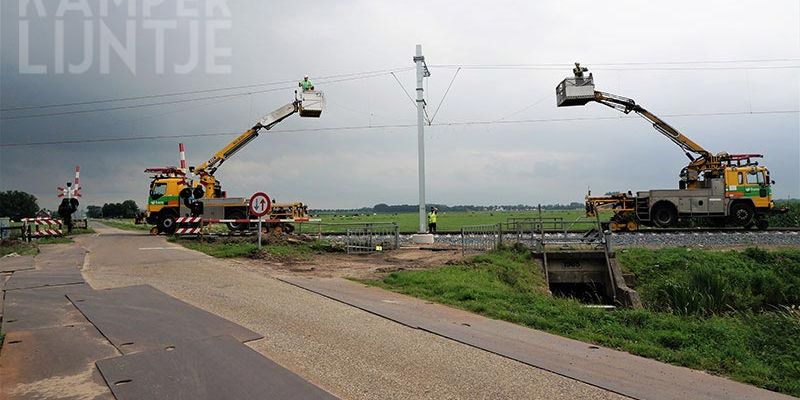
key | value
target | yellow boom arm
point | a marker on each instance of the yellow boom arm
(627, 105)
(270, 120)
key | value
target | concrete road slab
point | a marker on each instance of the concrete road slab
(10, 264)
(208, 369)
(137, 318)
(45, 307)
(620, 372)
(39, 278)
(54, 363)
(59, 256)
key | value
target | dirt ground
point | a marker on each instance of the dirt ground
(359, 266)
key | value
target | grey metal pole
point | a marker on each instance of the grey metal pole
(419, 59)
(259, 233)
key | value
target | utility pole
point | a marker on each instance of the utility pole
(422, 72)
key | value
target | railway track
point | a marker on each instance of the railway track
(676, 237)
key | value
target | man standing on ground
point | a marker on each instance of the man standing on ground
(432, 220)
(306, 84)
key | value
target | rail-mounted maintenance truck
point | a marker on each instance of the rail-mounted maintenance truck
(195, 191)
(727, 188)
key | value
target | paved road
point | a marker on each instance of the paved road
(349, 352)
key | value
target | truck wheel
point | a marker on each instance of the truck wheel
(664, 215)
(742, 214)
(167, 222)
(762, 224)
(237, 226)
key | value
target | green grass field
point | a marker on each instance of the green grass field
(407, 222)
(453, 221)
(730, 313)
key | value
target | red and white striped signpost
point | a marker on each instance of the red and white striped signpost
(260, 205)
(182, 151)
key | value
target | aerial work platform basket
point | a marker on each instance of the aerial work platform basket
(575, 91)
(311, 103)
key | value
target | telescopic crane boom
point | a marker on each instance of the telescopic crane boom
(309, 104)
(580, 90)
(266, 123)
(627, 105)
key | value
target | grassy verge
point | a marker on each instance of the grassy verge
(746, 325)
(24, 248)
(246, 247)
(19, 247)
(126, 224)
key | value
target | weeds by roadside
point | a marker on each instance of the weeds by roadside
(125, 224)
(278, 249)
(9, 246)
(730, 313)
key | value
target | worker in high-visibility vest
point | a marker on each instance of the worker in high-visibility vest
(306, 84)
(432, 220)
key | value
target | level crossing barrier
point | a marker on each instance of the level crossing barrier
(39, 227)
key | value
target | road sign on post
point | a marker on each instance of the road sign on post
(260, 205)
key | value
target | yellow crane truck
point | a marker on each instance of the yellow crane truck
(174, 192)
(728, 188)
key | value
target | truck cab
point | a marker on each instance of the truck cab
(749, 182)
(163, 200)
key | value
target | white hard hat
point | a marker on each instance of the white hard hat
(306, 76)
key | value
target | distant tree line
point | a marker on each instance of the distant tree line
(16, 205)
(126, 209)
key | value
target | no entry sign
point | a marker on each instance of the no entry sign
(260, 204)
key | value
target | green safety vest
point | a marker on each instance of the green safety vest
(306, 85)
(431, 218)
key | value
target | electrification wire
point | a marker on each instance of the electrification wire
(528, 107)
(139, 105)
(444, 96)
(602, 68)
(183, 93)
(487, 66)
(132, 106)
(386, 126)
(413, 103)
(634, 63)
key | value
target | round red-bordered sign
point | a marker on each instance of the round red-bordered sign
(260, 204)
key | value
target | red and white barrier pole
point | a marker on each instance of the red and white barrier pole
(182, 151)
(76, 187)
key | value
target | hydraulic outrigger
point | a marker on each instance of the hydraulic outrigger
(727, 187)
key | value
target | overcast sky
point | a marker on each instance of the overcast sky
(497, 163)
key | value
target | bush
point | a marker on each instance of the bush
(788, 219)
